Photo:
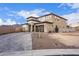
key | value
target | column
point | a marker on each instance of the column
(31, 28)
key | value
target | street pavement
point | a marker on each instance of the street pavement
(15, 42)
(43, 52)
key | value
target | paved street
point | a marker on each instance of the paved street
(15, 42)
(43, 52)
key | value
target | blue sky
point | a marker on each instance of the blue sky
(11, 13)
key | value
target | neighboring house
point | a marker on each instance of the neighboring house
(77, 28)
(46, 23)
(70, 29)
(25, 27)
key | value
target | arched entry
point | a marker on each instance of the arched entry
(56, 29)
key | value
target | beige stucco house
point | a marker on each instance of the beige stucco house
(47, 23)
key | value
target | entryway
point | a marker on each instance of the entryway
(56, 29)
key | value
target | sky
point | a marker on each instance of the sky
(16, 13)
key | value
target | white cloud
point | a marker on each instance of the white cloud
(71, 5)
(73, 18)
(75, 24)
(35, 13)
(22, 13)
(1, 22)
(7, 22)
(74, 5)
(10, 22)
(64, 5)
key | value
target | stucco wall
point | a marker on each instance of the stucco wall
(48, 27)
(59, 22)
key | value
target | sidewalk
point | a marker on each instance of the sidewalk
(43, 52)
